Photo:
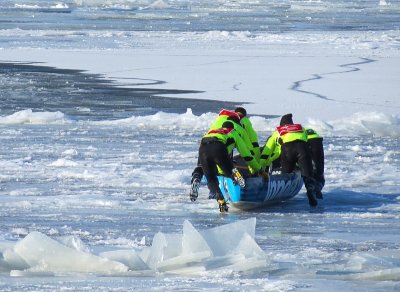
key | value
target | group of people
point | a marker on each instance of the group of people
(289, 147)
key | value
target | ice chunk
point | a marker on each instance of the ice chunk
(183, 261)
(128, 257)
(248, 247)
(228, 248)
(374, 260)
(74, 242)
(27, 116)
(46, 254)
(14, 261)
(164, 246)
(193, 241)
(380, 275)
(230, 245)
(223, 239)
(194, 249)
(18, 273)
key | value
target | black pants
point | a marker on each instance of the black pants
(298, 152)
(317, 154)
(210, 155)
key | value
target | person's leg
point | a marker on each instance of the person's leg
(197, 176)
(276, 164)
(206, 155)
(224, 162)
(223, 159)
(197, 173)
(317, 152)
(288, 161)
(306, 168)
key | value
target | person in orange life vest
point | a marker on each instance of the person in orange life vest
(222, 117)
(215, 151)
(295, 150)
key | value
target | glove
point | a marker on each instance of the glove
(264, 175)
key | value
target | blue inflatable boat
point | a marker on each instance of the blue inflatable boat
(258, 193)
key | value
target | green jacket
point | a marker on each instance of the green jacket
(232, 139)
(251, 133)
(284, 134)
(271, 150)
(290, 133)
(223, 117)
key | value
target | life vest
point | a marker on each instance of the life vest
(229, 113)
(290, 133)
(220, 131)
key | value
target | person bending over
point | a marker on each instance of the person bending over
(223, 116)
(292, 139)
(215, 152)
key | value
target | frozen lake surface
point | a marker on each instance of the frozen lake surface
(105, 184)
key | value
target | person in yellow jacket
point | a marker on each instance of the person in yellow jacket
(215, 151)
(228, 115)
(291, 139)
(223, 116)
(271, 153)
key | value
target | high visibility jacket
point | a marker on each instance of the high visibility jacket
(223, 117)
(283, 134)
(271, 151)
(251, 133)
(232, 139)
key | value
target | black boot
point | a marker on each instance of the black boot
(223, 207)
(195, 185)
(311, 199)
(318, 194)
(311, 188)
(194, 189)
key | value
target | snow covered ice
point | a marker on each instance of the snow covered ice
(102, 105)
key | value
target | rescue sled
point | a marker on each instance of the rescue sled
(257, 193)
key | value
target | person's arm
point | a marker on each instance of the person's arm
(245, 153)
(248, 127)
(245, 137)
(269, 153)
